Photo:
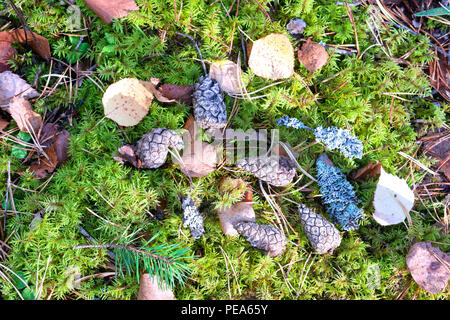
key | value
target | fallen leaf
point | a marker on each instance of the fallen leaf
(393, 199)
(127, 154)
(55, 142)
(43, 166)
(149, 289)
(436, 145)
(38, 43)
(371, 170)
(241, 211)
(191, 128)
(108, 10)
(227, 74)
(199, 158)
(272, 57)
(3, 123)
(59, 137)
(169, 93)
(177, 92)
(11, 85)
(6, 50)
(22, 112)
(127, 101)
(312, 55)
(429, 267)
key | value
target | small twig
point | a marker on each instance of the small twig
(198, 50)
(107, 221)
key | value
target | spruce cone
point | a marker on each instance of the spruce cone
(152, 148)
(192, 217)
(322, 234)
(209, 109)
(275, 170)
(262, 236)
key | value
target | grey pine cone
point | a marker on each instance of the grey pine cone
(322, 234)
(264, 237)
(152, 148)
(209, 109)
(275, 170)
(192, 217)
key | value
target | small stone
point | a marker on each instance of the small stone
(296, 27)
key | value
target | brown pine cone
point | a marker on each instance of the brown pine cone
(209, 109)
(264, 237)
(322, 234)
(275, 170)
(152, 148)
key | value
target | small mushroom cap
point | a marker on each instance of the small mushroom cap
(127, 101)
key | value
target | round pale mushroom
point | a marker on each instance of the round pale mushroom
(127, 101)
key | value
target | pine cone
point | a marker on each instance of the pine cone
(262, 236)
(338, 195)
(152, 148)
(322, 234)
(209, 109)
(275, 170)
(192, 217)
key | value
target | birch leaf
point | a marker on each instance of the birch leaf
(227, 74)
(127, 101)
(272, 57)
(393, 200)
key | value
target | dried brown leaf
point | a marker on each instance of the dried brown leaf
(169, 93)
(177, 92)
(198, 160)
(429, 266)
(43, 167)
(11, 85)
(108, 10)
(3, 123)
(312, 55)
(437, 145)
(371, 170)
(22, 112)
(38, 43)
(227, 74)
(127, 154)
(6, 50)
(55, 142)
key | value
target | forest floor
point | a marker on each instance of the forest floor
(386, 80)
